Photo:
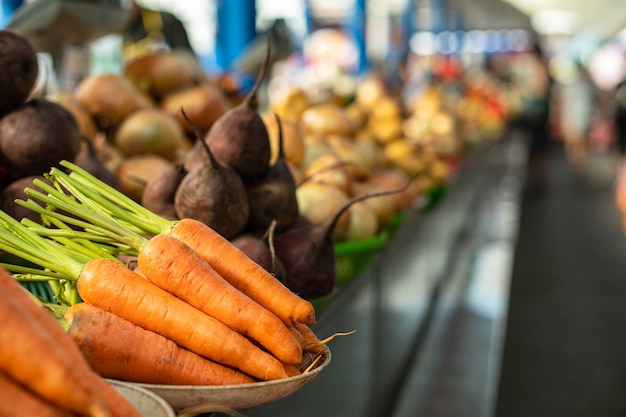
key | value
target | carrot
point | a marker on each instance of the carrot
(118, 405)
(116, 289)
(118, 349)
(172, 265)
(311, 343)
(17, 401)
(110, 285)
(36, 358)
(71, 310)
(242, 272)
(124, 220)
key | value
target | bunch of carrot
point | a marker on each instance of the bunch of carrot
(196, 310)
(42, 372)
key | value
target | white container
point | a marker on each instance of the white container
(148, 403)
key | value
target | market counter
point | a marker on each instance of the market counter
(392, 303)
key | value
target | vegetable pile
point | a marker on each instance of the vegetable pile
(42, 371)
(193, 298)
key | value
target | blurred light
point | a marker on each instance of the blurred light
(423, 43)
(607, 66)
(447, 43)
(554, 22)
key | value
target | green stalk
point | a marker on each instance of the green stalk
(25, 273)
(74, 240)
(18, 240)
(90, 220)
(139, 214)
(93, 200)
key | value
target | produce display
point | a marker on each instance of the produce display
(185, 237)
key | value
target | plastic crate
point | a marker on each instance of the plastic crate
(354, 257)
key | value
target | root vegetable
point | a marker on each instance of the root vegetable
(214, 194)
(118, 349)
(36, 136)
(149, 131)
(174, 266)
(159, 192)
(273, 196)
(27, 344)
(18, 60)
(308, 252)
(239, 137)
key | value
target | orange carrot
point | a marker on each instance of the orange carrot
(115, 288)
(242, 272)
(118, 405)
(33, 355)
(113, 210)
(71, 310)
(311, 343)
(18, 401)
(118, 349)
(172, 265)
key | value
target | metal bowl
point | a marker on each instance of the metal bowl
(189, 400)
(146, 402)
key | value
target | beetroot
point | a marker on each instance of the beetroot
(160, 191)
(273, 197)
(261, 251)
(14, 191)
(214, 194)
(19, 64)
(308, 252)
(35, 137)
(239, 137)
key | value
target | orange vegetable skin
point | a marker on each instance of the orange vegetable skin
(311, 343)
(172, 265)
(114, 288)
(118, 349)
(17, 401)
(66, 380)
(243, 273)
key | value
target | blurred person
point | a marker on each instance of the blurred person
(533, 82)
(619, 118)
(576, 97)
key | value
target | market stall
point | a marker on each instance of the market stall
(357, 174)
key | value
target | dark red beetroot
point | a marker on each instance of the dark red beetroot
(160, 191)
(18, 70)
(214, 194)
(36, 136)
(273, 197)
(308, 252)
(14, 191)
(239, 137)
(261, 250)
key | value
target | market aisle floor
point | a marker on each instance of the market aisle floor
(565, 346)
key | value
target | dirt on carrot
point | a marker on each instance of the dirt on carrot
(66, 380)
(243, 273)
(118, 349)
(116, 289)
(172, 265)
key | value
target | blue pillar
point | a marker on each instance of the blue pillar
(9, 7)
(409, 23)
(438, 13)
(357, 28)
(236, 28)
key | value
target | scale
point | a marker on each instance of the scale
(63, 30)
